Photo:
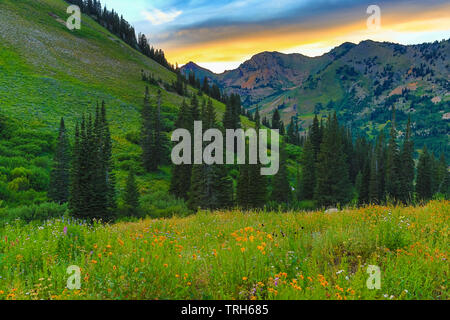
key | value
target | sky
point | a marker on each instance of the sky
(221, 34)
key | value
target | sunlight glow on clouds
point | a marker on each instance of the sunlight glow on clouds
(220, 34)
(157, 17)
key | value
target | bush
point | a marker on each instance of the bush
(160, 204)
(39, 179)
(20, 173)
(40, 212)
(19, 184)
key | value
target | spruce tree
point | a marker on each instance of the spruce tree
(373, 183)
(381, 155)
(393, 181)
(281, 189)
(276, 120)
(181, 174)
(424, 176)
(93, 183)
(242, 194)
(333, 184)
(363, 192)
(131, 197)
(308, 183)
(60, 174)
(444, 176)
(315, 136)
(407, 166)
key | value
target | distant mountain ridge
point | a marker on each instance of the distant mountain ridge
(360, 81)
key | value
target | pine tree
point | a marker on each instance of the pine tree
(93, 183)
(181, 174)
(60, 174)
(276, 120)
(308, 184)
(363, 191)
(333, 185)
(231, 118)
(381, 155)
(424, 176)
(242, 195)
(393, 181)
(291, 133)
(211, 187)
(407, 166)
(152, 141)
(281, 189)
(131, 197)
(75, 173)
(444, 176)
(315, 136)
(373, 183)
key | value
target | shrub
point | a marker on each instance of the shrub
(19, 184)
(161, 204)
(30, 213)
(39, 179)
(20, 173)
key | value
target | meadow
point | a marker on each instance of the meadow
(233, 255)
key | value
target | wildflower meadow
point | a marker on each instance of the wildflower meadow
(233, 255)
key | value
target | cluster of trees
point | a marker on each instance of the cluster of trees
(82, 175)
(333, 167)
(118, 26)
(155, 54)
(211, 186)
(203, 86)
(153, 140)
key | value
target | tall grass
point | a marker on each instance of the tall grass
(234, 255)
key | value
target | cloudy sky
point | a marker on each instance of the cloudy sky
(221, 34)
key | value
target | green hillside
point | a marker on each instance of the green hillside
(48, 72)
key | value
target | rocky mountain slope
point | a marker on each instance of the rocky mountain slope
(360, 81)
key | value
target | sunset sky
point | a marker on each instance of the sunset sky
(219, 34)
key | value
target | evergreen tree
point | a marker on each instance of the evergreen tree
(60, 174)
(407, 166)
(242, 195)
(131, 197)
(393, 181)
(315, 136)
(211, 187)
(381, 155)
(424, 176)
(93, 183)
(181, 174)
(333, 185)
(444, 177)
(276, 120)
(281, 190)
(373, 183)
(363, 191)
(152, 140)
(308, 171)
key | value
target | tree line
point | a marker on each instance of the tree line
(332, 170)
(120, 27)
(335, 169)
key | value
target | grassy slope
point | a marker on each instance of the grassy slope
(48, 71)
(235, 255)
